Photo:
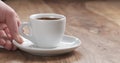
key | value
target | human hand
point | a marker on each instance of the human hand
(9, 23)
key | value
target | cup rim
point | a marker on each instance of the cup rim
(33, 16)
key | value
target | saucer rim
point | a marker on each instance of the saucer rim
(43, 49)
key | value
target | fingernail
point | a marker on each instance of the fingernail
(19, 39)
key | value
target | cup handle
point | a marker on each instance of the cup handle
(27, 36)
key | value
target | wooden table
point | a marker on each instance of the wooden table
(96, 23)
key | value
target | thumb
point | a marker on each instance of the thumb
(11, 21)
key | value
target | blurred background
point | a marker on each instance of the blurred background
(94, 16)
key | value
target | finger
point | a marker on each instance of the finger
(11, 21)
(2, 41)
(2, 26)
(7, 33)
(2, 34)
(13, 47)
(8, 45)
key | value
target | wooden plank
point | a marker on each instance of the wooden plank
(110, 10)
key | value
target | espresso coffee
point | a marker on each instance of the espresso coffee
(47, 18)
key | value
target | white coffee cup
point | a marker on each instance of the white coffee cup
(45, 33)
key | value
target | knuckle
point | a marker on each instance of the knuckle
(11, 13)
(8, 44)
(2, 42)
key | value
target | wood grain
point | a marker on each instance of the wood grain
(96, 23)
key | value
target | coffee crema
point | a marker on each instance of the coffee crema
(47, 18)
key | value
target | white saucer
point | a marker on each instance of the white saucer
(68, 44)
